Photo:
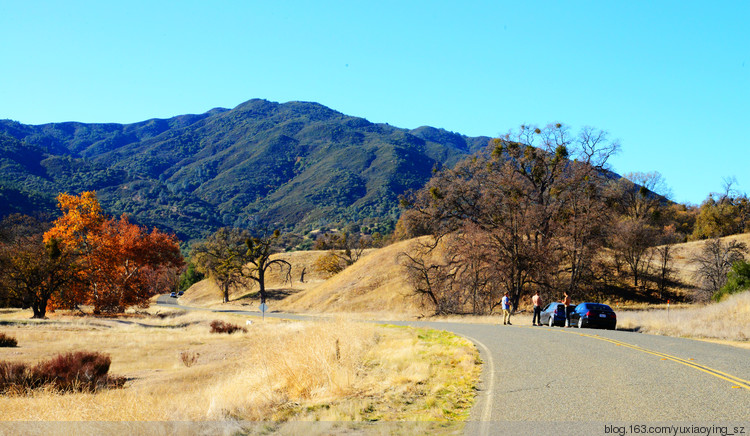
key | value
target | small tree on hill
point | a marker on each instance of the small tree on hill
(235, 258)
(343, 246)
(259, 251)
(723, 214)
(639, 195)
(222, 257)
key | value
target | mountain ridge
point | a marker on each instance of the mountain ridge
(294, 165)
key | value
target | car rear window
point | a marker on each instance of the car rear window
(599, 307)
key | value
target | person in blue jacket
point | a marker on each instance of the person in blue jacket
(506, 309)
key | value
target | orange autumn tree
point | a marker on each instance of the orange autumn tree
(82, 216)
(118, 261)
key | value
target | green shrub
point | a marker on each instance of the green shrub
(738, 280)
(190, 277)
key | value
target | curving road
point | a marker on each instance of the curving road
(579, 381)
(584, 381)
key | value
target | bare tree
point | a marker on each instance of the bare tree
(632, 240)
(259, 251)
(474, 271)
(585, 219)
(664, 255)
(429, 279)
(638, 195)
(715, 261)
(517, 198)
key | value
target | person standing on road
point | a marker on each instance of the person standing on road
(566, 302)
(506, 309)
(536, 300)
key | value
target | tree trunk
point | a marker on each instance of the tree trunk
(262, 284)
(39, 309)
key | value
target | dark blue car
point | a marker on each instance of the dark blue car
(593, 315)
(553, 314)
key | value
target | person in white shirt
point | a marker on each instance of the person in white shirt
(506, 309)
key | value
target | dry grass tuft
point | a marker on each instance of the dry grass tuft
(301, 362)
(189, 358)
(219, 326)
(727, 320)
(7, 341)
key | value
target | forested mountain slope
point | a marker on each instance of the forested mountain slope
(294, 166)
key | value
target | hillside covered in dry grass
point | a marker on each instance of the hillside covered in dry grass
(376, 285)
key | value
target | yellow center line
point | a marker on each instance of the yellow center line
(737, 382)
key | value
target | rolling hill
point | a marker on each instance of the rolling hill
(294, 166)
(376, 285)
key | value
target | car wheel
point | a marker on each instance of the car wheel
(580, 323)
(551, 321)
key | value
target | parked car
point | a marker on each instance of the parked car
(593, 315)
(179, 294)
(553, 314)
(173, 295)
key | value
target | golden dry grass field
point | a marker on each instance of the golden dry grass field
(278, 371)
(728, 320)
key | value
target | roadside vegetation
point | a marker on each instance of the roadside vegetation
(278, 371)
(728, 320)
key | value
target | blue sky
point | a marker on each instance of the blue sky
(670, 79)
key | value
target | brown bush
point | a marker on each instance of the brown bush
(7, 341)
(80, 371)
(14, 377)
(218, 326)
(189, 358)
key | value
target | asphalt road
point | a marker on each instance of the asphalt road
(585, 381)
(579, 381)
